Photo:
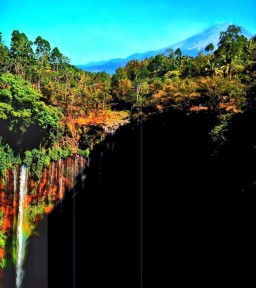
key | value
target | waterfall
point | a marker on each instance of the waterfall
(20, 238)
(60, 179)
(26, 201)
(15, 177)
(14, 181)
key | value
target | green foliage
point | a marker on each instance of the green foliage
(231, 49)
(40, 91)
(35, 211)
(3, 263)
(2, 236)
(85, 153)
(21, 108)
(209, 47)
(218, 133)
(21, 104)
(7, 158)
(21, 54)
(44, 92)
(36, 159)
(3, 239)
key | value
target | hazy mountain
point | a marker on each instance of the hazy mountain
(191, 46)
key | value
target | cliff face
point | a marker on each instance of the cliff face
(166, 170)
(189, 223)
(24, 202)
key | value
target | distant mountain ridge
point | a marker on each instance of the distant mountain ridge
(190, 46)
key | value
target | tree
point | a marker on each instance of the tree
(209, 47)
(158, 65)
(199, 65)
(22, 108)
(138, 72)
(221, 93)
(121, 86)
(178, 55)
(231, 49)
(43, 49)
(186, 66)
(104, 83)
(174, 63)
(4, 56)
(22, 54)
(57, 59)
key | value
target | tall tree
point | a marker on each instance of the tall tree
(209, 47)
(231, 48)
(121, 86)
(4, 56)
(43, 50)
(57, 59)
(22, 54)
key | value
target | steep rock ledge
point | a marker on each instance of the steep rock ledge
(186, 208)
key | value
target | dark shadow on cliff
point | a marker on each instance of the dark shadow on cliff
(19, 141)
(107, 221)
(188, 221)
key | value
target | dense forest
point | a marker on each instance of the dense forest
(50, 109)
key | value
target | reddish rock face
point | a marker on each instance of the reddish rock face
(41, 198)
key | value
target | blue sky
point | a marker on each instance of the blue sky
(97, 30)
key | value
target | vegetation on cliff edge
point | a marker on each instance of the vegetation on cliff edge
(50, 108)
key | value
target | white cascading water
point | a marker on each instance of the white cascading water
(60, 178)
(14, 181)
(20, 238)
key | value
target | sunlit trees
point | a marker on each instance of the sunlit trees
(42, 54)
(230, 51)
(221, 93)
(121, 86)
(21, 107)
(22, 55)
(4, 56)
(58, 60)
(171, 76)
(103, 81)
(158, 65)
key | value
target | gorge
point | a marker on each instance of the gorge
(121, 172)
(187, 213)
(106, 233)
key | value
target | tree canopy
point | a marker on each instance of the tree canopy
(21, 107)
(38, 84)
